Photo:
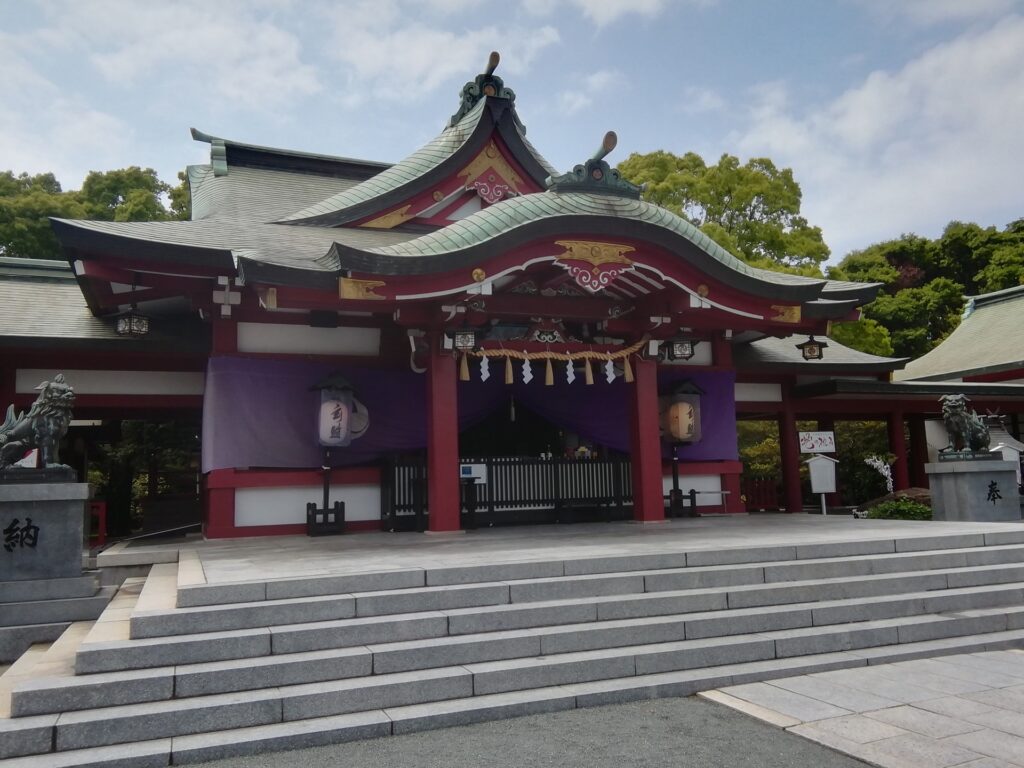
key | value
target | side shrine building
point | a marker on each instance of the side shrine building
(420, 308)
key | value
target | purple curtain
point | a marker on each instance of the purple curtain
(262, 413)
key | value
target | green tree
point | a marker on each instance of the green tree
(864, 335)
(919, 318)
(924, 282)
(26, 205)
(129, 194)
(752, 209)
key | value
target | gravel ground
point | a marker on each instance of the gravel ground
(663, 733)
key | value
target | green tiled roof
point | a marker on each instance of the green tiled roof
(517, 211)
(989, 339)
(415, 165)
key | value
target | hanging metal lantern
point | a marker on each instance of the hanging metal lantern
(812, 348)
(681, 349)
(131, 323)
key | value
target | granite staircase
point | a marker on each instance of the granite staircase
(177, 671)
(39, 611)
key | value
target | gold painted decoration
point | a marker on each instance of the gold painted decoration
(438, 195)
(479, 275)
(786, 313)
(594, 265)
(390, 220)
(703, 291)
(360, 290)
(492, 176)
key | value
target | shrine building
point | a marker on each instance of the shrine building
(469, 313)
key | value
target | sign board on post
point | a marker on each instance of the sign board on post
(475, 472)
(823, 476)
(817, 442)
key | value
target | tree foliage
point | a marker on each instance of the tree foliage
(128, 194)
(752, 210)
(924, 280)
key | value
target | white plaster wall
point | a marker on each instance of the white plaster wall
(283, 506)
(698, 483)
(304, 340)
(116, 382)
(752, 392)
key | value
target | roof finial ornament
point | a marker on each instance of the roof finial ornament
(486, 84)
(596, 176)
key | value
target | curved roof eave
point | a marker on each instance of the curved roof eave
(437, 159)
(74, 234)
(519, 220)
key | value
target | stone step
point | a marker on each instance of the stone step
(14, 641)
(429, 647)
(813, 561)
(269, 731)
(869, 601)
(48, 589)
(60, 610)
(751, 591)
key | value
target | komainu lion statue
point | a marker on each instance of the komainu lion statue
(966, 429)
(42, 427)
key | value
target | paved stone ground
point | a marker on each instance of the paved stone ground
(965, 711)
(666, 733)
(259, 559)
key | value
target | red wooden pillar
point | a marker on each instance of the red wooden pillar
(442, 442)
(918, 450)
(898, 447)
(224, 336)
(645, 446)
(790, 449)
(219, 521)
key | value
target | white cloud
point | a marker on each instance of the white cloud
(701, 100)
(927, 12)
(229, 51)
(604, 12)
(596, 85)
(394, 55)
(907, 150)
(43, 130)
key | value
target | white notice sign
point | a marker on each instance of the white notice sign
(817, 442)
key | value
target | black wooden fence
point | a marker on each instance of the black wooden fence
(518, 490)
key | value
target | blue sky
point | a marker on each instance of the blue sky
(895, 115)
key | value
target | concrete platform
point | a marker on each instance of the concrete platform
(223, 561)
(964, 710)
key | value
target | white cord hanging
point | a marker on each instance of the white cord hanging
(485, 368)
(527, 372)
(570, 372)
(609, 371)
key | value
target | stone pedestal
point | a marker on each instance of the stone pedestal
(41, 530)
(982, 491)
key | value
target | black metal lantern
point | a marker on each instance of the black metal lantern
(132, 323)
(812, 349)
(681, 349)
(464, 339)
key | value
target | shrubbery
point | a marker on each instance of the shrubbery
(900, 509)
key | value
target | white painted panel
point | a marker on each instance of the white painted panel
(283, 506)
(747, 392)
(304, 340)
(698, 483)
(116, 382)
